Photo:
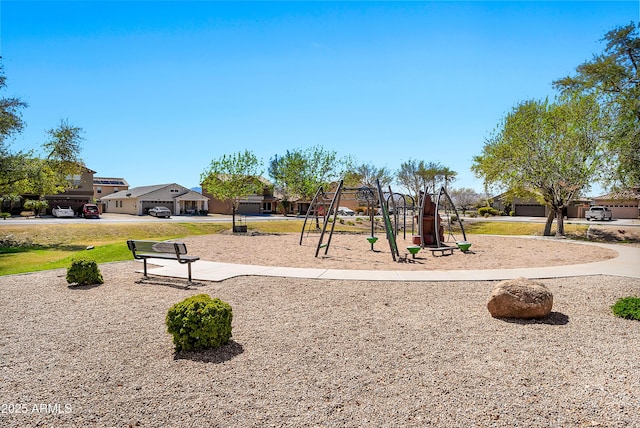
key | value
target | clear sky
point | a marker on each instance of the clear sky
(161, 88)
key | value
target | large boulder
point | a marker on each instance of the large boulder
(520, 298)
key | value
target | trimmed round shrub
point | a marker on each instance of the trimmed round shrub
(627, 307)
(483, 211)
(199, 322)
(84, 271)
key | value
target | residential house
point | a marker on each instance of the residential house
(103, 186)
(139, 200)
(260, 203)
(79, 194)
(530, 207)
(623, 204)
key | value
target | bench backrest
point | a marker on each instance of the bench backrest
(157, 247)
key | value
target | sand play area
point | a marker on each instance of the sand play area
(353, 251)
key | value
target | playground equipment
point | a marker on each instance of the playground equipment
(431, 227)
(323, 209)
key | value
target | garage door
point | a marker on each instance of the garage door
(530, 210)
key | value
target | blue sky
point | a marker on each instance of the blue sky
(161, 88)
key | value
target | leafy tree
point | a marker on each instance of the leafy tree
(284, 173)
(301, 172)
(614, 78)
(11, 124)
(25, 172)
(233, 177)
(10, 116)
(417, 176)
(465, 198)
(37, 205)
(54, 171)
(366, 174)
(412, 177)
(551, 149)
(447, 175)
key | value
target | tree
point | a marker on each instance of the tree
(366, 174)
(412, 177)
(37, 205)
(613, 77)
(284, 171)
(11, 124)
(10, 116)
(417, 176)
(233, 177)
(25, 172)
(551, 149)
(54, 171)
(447, 175)
(302, 172)
(465, 198)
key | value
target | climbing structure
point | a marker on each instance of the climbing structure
(431, 231)
(431, 226)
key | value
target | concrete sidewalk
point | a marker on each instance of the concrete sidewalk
(627, 264)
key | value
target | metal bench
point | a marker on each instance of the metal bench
(442, 250)
(144, 250)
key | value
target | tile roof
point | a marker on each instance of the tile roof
(622, 195)
(136, 192)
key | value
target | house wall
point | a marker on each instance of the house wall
(102, 190)
(81, 194)
(121, 206)
(621, 209)
(251, 205)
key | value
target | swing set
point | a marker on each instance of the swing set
(323, 212)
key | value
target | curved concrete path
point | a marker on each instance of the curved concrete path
(627, 264)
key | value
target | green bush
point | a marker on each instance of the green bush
(627, 307)
(487, 211)
(84, 271)
(199, 322)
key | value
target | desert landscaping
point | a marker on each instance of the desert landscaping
(308, 352)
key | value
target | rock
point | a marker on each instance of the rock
(520, 298)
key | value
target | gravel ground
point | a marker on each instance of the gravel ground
(315, 353)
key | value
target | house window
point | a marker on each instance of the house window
(99, 189)
(116, 189)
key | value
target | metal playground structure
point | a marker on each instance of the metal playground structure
(323, 213)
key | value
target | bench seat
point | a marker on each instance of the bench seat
(442, 250)
(144, 250)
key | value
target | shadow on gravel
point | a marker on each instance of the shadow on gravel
(554, 318)
(216, 356)
(82, 287)
(182, 284)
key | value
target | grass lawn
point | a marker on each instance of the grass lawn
(55, 245)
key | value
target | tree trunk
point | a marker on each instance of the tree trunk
(547, 226)
(560, 218)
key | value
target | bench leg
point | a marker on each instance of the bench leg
(189, 265)
(145, 269)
